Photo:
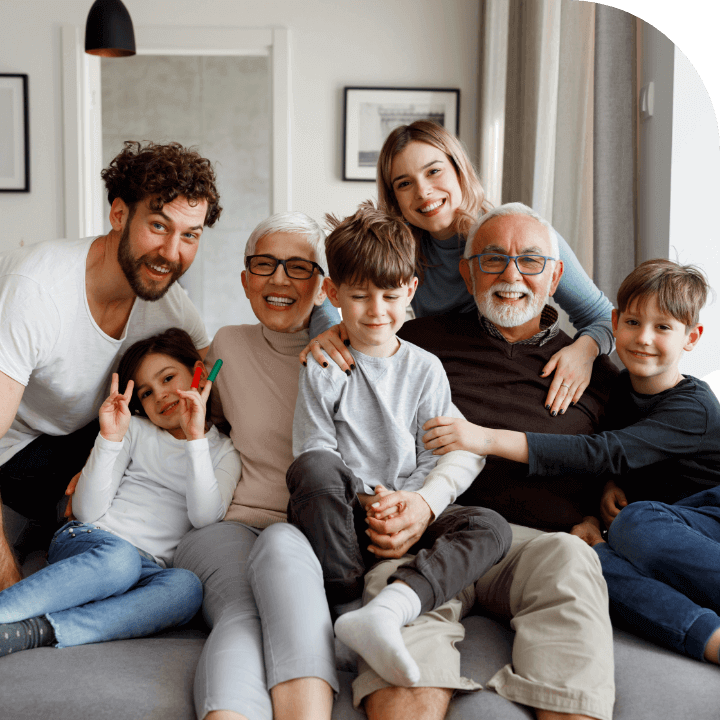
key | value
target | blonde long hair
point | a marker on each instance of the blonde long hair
(473, 202)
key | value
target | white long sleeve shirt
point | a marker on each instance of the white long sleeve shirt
(151, 488)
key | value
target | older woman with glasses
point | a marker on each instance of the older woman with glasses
(270, 653)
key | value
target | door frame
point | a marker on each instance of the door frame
(82, 110)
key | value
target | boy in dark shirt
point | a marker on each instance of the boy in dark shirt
(661, 560)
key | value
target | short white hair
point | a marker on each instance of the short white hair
(515, 208)
(295, 223)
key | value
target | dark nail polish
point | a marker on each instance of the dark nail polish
(554, 413)
(352, 367)
(572, 404)
(324, 364)
(547, 407)
(562, 412)
(304, 363)
(347, 343)
(347, 372)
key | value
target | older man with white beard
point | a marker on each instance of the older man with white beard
(548, 585)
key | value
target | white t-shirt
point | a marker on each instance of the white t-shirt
(151, 488)
(50, 342)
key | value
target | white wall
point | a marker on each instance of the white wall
(679, 179)
(694, 193)
(421, 43)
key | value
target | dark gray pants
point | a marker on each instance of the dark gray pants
(458, 548)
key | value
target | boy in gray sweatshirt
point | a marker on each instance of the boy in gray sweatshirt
(358, 436)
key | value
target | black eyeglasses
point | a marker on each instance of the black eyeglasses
(494, 264)
(295, 268)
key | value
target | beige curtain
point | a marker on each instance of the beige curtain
(557, 123)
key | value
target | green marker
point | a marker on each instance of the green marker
(215, 370)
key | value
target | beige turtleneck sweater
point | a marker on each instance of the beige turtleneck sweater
(255, 392)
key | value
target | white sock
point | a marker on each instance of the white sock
(374, 632)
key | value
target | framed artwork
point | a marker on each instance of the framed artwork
(14, 134)
(371, 113)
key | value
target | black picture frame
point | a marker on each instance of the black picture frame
(14, 133)
(371, 113)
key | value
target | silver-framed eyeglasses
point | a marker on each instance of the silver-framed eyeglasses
(495, 263)
(295, 268)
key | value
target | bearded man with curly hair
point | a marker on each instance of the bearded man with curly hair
(69, 309)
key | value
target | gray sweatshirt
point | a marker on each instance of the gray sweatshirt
(373, 420)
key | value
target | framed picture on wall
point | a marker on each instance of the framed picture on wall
(14, 134)
(371, 113)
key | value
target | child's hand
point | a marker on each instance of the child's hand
(588, 530)
(192, 411)
(612, 502)
(448, 433)
(114, 412)
(387, 513)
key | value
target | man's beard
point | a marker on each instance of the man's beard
(132, 267)
(509, 316)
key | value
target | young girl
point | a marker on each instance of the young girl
(425, 176)
(150, 478)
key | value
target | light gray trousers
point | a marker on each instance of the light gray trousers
(265, 602)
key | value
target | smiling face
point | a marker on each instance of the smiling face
(156, 381)
(426, 188)
(372, 315)
(157, 246)
(512, 301)
(279, 302)
(650, 343)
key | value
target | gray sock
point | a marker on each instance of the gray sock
(25, 635)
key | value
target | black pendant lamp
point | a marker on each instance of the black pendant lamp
(109, 30)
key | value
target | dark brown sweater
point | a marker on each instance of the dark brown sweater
(497, 384)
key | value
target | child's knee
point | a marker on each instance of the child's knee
(121, 563)
(634, 532)
(318, 472)
(187, 593)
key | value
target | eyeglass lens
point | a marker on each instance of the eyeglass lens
(266, 265)
(526, 264)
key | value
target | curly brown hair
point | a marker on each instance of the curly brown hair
(164, 172)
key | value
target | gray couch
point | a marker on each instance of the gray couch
(152, 678)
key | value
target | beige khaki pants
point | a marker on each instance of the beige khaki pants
(550, 586)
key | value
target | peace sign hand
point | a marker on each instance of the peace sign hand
(114, 412)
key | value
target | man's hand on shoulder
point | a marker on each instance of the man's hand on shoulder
(396, 522)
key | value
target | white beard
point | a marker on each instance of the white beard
(508, 316)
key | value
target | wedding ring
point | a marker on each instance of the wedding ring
(564, 385)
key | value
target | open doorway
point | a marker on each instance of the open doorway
(221, 105)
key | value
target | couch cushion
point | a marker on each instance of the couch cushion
(153, 677)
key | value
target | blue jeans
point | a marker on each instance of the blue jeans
(99, 587)
(662, 567)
